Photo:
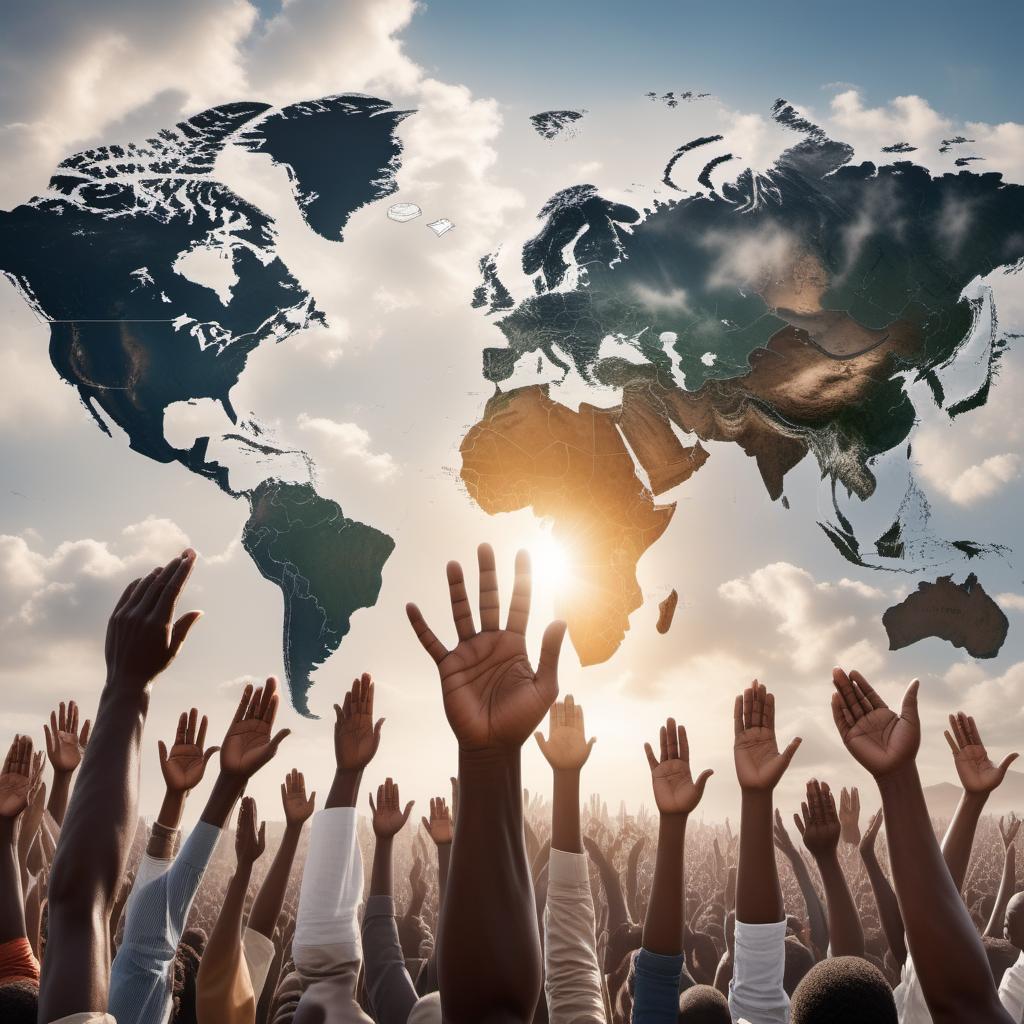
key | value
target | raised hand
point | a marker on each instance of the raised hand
(783, 843)
(977, 773)
(1009, 832)
(388, 817)
(675, 792)
(248, 745)
(566, 748)
(819, 827)
(867, 841)
(184, 764)
(249, 843)
(849, 815)
(759, 765)
(492, 696)
(439, 826)
(143, 636)
(19, 778)
(876, 736)
(65, 745)
(356, 736)
(297, 808)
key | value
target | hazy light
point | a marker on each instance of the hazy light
(552, 566)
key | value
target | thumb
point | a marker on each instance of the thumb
(541, 742)
(550, 648)
(702, 780)
(84, 736)
(278, 739)
(181, 628)
(162, 749)
(407, 811)
(1005, 764)
(787, 754)
(209, 754)
(909, 708)
(426, 824)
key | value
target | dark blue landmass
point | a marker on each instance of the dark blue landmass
(99, 256)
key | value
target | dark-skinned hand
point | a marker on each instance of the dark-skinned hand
(65, 745)
(248, 745)
(819, 826)
(388, 816)
(878, 738)
(759, 764)
(183, 766)
(675, 791)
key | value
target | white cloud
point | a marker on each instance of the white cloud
(350, 440)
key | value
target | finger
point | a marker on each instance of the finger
(798, 821)
(787, 754)
(268, 704)
(673, 739)
(254, 704)
(201, 735)
(179, 733)
(663, 737)
(243, 704)
(748, 707)
(851, 701)
(425, 634)
(841, 715)
(462, 614)
(855, 800)
(490, 605)
(757, 709)
(651, 759)
(161, 748)
(867, 692)
(958, 729)
(702, 780)
(407, 811)
(168, 594)
(973, 731)
(271, 711)
(683, 744)
(84, 738)
(769, 710)
(425, 823)
(908, 710)
(209, 753)
(147, 603)
(737, 715)
(547, 667)
(62, 719)
(1005, 764)
(278, 740)
(541, 742)
(73, 717)
(952, 742)
(380, 800)
(519, 608)
(181, 629)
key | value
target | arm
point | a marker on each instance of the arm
(820, 829)
(885, 898)
(1007, 884)
(939, 929)
(142, 640)
(493, 700)
(979, 777)
(849, 815)
(65, 746)
(756, 990)
(224, 990)
(815, 911)
(18, 781)
(439, 826)
(660, 962)
(572, 975)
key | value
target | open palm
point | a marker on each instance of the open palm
(759, 764)
(65, 746)
(675, 792)
(566, 747)
(492, 696)
(183, 766)
(878, 738)
(19, 777)
(977, 772)
(248, 746)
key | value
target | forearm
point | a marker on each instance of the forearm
(381, 876)
(816, 917)
(344, 789)
(959, 838)
(444, 859)
(888, 907)
(226, 792)
(565, 812)
(12, 903)
(267, 906)
(758, 895)
(663, 925)
(59, 792)
(939, 929)
(227, 932)
(845, 931)
(490, 881)
(1006, 886)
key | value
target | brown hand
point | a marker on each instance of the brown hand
(876, 736)
(439, 827)
(977, 773)
(19, 778)
(867, 842)
(356, 736)
(1009, 832)
(819, 827)
(566, 748)
(297, 808)
(248, 746)
(65, 745)
(783, 843)
(849, 815)
(675, 792)
(183, 766)
(388, 817)
(492, 696)
(759, 765)
(249, 842)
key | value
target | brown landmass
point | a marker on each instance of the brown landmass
(667, 611)
(961, 613)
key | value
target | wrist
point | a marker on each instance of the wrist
(293, 829)
(899, 780)
(345, 788)
(172, 807)
(8, 830)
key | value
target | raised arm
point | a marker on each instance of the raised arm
(885, 898)
(756, 990)
(572, 975)
(820, 830)
(142, 639)
(849, 815)
(660, 961)
(939, 930)
(816, 917)
(65, 746)
(979, 777)
(224, 990)
(493, 700)
(1007, 883)
(439, 827)
(20, 777)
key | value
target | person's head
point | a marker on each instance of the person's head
(1013, 923)
(426, 1010)
(1001, 956)
(702, 1004)
(843, 990)
(798, 962)
(196, 938)
(19, 1002)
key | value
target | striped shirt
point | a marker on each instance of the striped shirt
(142, 971)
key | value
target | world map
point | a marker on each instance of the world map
(784, 311)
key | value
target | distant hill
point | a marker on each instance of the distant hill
(943, 797)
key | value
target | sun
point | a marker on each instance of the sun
(552, 565)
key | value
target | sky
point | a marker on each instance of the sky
(382, 397)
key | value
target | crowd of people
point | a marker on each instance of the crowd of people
(498, 905)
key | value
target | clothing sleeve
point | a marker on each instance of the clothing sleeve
(572, 976)
(224, 993)
(259, 955)
(759, 963)
(1011, 990)
(326, 930)
(150, 868)
(391, 990)
(185, 874)
(18, 962)
(656, 987)
(911, 1007)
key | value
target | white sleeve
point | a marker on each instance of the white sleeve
(1011, 990)
(756, 991)
(326, 927)
(911, 1007)
(572, 977)
(259, 955)
(149, 869)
